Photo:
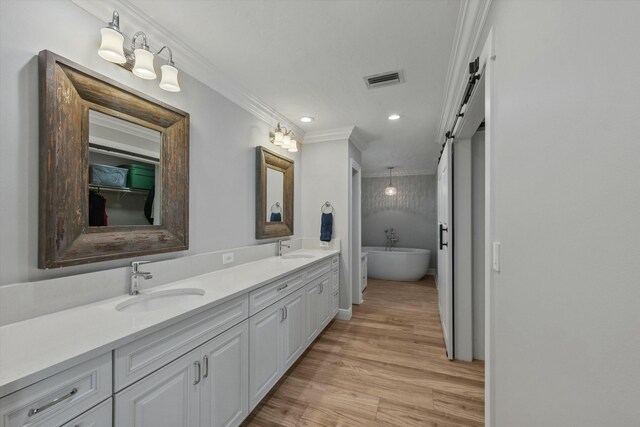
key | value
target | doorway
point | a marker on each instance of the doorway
(355, 233)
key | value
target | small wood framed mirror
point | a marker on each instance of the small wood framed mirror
(114, 169)
(274, 194)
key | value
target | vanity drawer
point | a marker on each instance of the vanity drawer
(268, 294)
(318, 270)
(335, 262)
(59, 398)
(141, 357)
(100, 416)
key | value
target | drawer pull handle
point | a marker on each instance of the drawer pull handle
(205, 360)
(199, 376)
(282, 287)
(34, 411)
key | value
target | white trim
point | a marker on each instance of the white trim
(344, 314)
(407, 172)
(101, 119)
(187, 59)
(329, 135)
(355, 264)
(473, 14)
(358, 140)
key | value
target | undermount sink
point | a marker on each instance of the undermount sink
(297, 256)
(159, 300)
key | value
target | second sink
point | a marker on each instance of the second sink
(159, 300)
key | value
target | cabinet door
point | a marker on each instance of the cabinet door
(264, 363)
(312, 316)
(224, 393)
(324, 302)
(169, 397)
(293, 329)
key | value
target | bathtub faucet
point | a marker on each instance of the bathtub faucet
(392, 239)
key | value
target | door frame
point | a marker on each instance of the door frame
(355, 231)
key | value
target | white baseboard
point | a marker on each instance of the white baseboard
(431, 272)
(344, 314)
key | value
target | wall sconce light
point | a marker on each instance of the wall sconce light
(390, 190)
(138, 60)
(284, 138)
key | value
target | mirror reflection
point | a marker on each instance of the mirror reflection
(124, 172)
(275, 192)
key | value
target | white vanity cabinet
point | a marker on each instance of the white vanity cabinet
(276, 341)
(59, 398)
(206, 387)
(100, 416)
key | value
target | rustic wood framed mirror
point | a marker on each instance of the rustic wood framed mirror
(274, 194)
(102, 141)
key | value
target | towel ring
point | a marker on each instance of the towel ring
(276, 205)
(326, 205)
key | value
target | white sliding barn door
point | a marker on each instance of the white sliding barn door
(445, 251)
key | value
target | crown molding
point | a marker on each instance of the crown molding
(358, 140)
(329, 135)
(406, 172)
(471, 19)
(129, 128)
(188, 60)
(350, 133)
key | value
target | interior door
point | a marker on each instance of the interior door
(445, 251)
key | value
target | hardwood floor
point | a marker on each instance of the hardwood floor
(385, 367)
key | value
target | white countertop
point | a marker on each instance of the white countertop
(36, 348)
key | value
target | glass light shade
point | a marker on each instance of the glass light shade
(391, 190)
(144, 64)
(278, 139)
(294, 146)
(286, 143)
(169, 80)
(111, 47)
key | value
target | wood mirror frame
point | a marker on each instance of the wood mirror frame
(67, 92)
(264, 229)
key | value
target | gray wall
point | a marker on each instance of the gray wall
(563, 147)
(223, 137)
(412, 212)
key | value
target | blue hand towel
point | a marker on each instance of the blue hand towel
(326, 227)
(276, 217)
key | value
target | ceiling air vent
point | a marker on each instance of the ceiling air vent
(384, 79)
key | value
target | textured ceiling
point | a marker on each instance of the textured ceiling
(309, 57)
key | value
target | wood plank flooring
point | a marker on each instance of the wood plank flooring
(385, 367)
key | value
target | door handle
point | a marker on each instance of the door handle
(199, 377)
(205, 362)
(282, 311)
(286, 312)
(443, 229)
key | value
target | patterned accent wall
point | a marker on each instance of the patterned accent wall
(412, 212)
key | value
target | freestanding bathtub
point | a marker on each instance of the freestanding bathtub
(401, 264)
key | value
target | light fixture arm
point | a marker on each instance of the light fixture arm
(115, 22)
(170, 54)
(145, 46)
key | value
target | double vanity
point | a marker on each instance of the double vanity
(199, 352)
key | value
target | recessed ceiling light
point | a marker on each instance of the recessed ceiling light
(394, 117)
(306, 119)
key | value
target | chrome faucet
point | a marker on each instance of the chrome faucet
(280, 246)
(392, 239)
(135, 273)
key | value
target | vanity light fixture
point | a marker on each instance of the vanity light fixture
(394, 117)
(284, 138)
(306, 119)
(390, 190)
(138, 60)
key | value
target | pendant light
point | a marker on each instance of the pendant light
(390, 190)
